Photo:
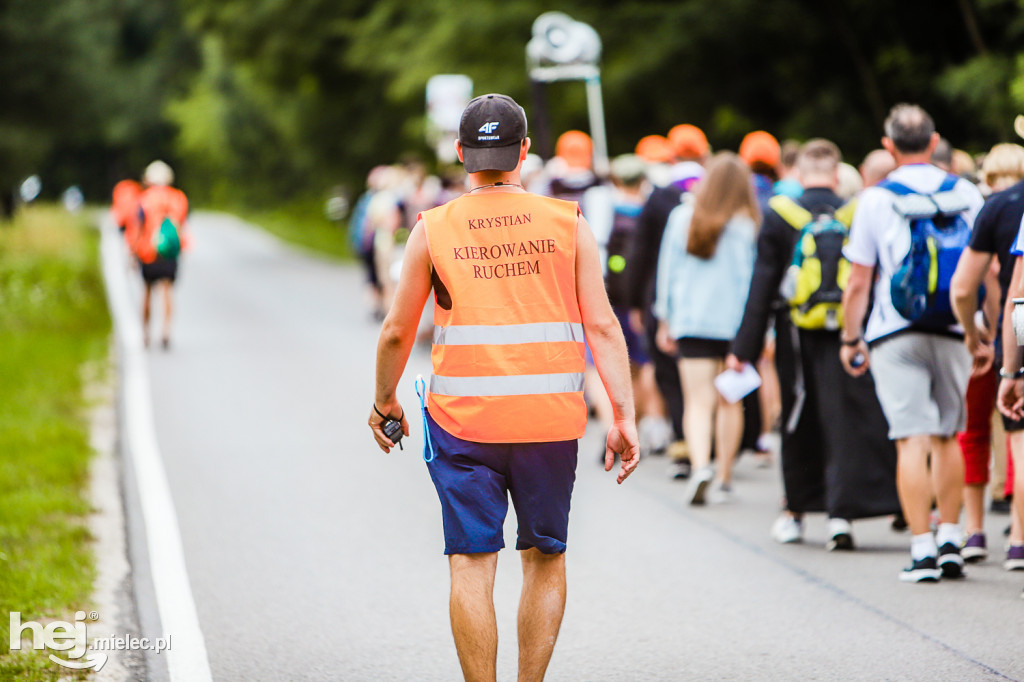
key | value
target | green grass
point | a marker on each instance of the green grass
(302, 223)
(53, 321)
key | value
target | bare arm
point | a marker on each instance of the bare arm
(398, 333)
(1010, 400)
(608, 347)
(855, 309)
(970, 271)
(991, 305)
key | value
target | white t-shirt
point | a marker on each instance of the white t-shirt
(878, 236)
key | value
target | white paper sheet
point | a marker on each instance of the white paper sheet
(734, 386)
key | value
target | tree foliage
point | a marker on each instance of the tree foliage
(264, 99)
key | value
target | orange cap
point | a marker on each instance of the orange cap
(688, 141)
(575, 148)
(760, 146)
(655, 149)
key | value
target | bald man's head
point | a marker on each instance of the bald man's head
(876, 166)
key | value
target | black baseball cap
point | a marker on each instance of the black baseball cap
(491, 130)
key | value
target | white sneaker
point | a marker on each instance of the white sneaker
(655, 434)
(840, 535)
(697, 489)
(720, 493)
(787, 529)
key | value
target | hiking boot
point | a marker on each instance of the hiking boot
(950, 561)
(921, 570)
(974, 549)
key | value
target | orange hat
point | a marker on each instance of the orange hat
(655, 149)
(688, 141)
(575, 148)
(760, 146)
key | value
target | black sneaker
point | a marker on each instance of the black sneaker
(950, 561)
(899, 523)
(921, 570)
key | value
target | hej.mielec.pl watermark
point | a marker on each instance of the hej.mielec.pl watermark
(73, 638)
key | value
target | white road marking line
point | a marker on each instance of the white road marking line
(187, 660)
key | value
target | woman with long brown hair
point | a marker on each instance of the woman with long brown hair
(704, 272)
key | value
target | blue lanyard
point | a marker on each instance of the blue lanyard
(428, 444)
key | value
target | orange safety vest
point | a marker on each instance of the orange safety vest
(125, 205)
(508, 334)
(156, 203)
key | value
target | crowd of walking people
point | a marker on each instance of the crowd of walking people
(874, 302)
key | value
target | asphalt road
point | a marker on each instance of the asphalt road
(314, 556)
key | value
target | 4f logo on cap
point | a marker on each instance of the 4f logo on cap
(488, 127)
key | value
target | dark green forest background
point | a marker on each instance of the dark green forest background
(266, 100)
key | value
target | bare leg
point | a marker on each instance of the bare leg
(700, 398)
(974, 508)
(912, 482)
(168, 289)
(540, 611)
(947, 478)
(147, 295)
(649, 399)
(997, 484)
(1017, 506)
(728, 433)
(472, 612)
(770, 393)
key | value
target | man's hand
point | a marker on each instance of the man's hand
(376, 423)
(636, 320)
(1010, 399)
(664, 341)
(983, 353)
(850, 356)
(622, 441)
(734, 363)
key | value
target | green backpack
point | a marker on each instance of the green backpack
(817, 275)
(166, 240)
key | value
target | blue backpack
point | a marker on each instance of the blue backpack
(938, 234)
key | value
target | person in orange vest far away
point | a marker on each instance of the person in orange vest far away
(124, 206)
(517, 283)
(157, 239)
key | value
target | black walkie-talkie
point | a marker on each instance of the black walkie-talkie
(392, 428)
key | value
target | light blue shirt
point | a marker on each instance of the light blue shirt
(704, 298)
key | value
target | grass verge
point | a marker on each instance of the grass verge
(53, 320)
(302, 223)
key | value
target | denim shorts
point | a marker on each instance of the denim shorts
(475, 480)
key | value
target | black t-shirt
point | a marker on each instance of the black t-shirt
(996, 227)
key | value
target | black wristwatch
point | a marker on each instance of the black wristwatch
(851, 342)
(1011, 375)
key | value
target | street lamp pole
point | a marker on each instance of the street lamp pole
(563, 49)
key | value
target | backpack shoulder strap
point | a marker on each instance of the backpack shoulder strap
(897, 188)
(949, 183)
(844, 214)
(790, 211)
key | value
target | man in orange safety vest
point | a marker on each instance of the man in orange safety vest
(517, 285)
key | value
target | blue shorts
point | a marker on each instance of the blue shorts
(475, 480)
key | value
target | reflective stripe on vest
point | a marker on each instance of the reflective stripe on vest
(506, 334)
(521, 384)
